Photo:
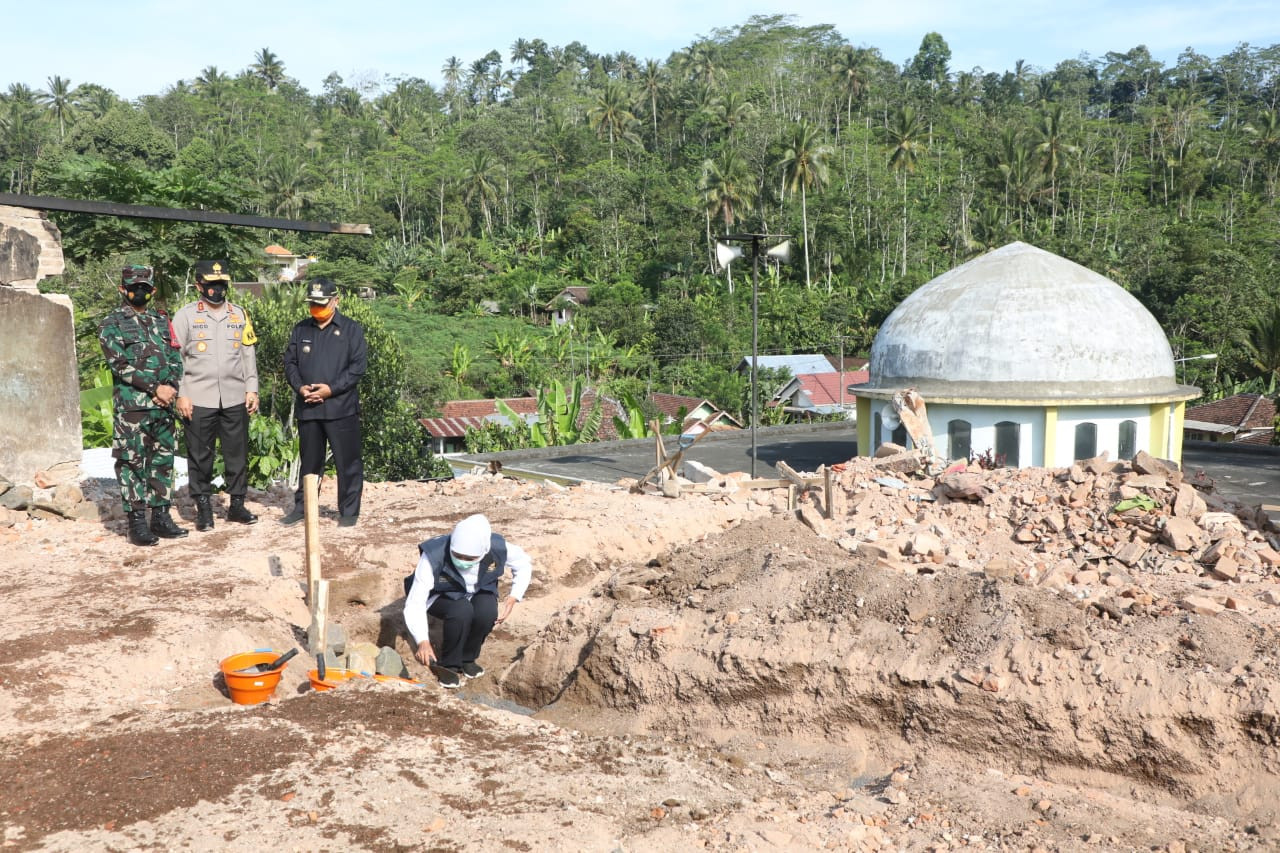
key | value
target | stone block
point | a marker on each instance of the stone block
(38, 362)
(1181, 533)
(1201, 604)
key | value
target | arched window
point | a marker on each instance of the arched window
(900, 436)
(1086, 441)
(878, 428)
(958, 439)
(1008, 440)
(1128, 439)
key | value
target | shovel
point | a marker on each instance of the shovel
(273, 665)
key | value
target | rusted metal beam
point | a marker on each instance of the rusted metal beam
(146, 211)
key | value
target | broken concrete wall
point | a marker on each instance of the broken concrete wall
(39, 388)
(30, 247)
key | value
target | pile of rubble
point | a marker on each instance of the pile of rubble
(46, 498)
(1099, 525)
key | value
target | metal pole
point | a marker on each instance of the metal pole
(755, 345)
(840, 375)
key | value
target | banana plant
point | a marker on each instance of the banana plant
(96, 411)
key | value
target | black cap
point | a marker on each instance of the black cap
(136, 274)
(213, 271)
(321, 289)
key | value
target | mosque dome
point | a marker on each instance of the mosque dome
(1020, 323)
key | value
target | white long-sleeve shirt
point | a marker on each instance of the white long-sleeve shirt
(420, 599)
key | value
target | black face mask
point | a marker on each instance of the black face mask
(138, 297)
(215, 294)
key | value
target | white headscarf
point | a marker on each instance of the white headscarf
(471, 536)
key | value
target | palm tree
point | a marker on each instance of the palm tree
(904, 135)
(58, 98)
(212, 83)
(732, 111)
(726, 188)
(850, 70)
(477, 179)
(804, 165)
(1051, 149)
(285, 181)
(268, 68)
(652, 82)
(1262, 342)
(611, 116)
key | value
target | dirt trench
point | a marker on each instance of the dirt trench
(769, 630)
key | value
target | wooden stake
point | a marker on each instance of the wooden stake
(827, 492)
(791, 496)
(311, 527)
(318, 633)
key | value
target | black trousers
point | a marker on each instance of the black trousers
(466, 623)
(342, 437)
(229, 427)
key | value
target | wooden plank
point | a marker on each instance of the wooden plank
(792, 476)
(827, 492)
(318, 632)
(311, 529)
(147, 211)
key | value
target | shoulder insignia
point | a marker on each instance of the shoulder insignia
(173, 338)
(250, 337)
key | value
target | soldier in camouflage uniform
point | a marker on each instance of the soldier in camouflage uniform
(146, 365)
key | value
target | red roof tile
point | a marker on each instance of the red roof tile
(824, 388)
(1243, 411)
(671, 404)
(484, 408)
(450, 427)
(275, 249)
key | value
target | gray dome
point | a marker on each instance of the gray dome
(1022, 323)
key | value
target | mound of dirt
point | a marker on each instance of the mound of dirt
(1001, 659)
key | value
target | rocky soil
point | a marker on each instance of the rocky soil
(1069, 659)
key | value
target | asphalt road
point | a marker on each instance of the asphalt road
(1251, 475)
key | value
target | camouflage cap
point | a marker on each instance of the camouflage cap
(321, 289)
(136, 274)
(213, 271)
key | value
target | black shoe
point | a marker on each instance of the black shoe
(472, 670)
(162, 524)
(139, 533)
(447, 677)
(204, 513)
(348, 520)
(237, 512)
(293, 517)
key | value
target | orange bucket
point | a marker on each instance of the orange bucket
(396, 678)
(250, 688)
(332, 677)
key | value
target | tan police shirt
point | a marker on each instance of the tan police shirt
(219, 361)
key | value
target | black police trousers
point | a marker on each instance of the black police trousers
(342, 436)
(229, 427)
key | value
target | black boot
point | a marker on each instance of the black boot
(237, 511)
(139, 533)
(204, 513)
(162, 525)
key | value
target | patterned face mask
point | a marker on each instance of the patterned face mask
(138, 295)
(215, 294)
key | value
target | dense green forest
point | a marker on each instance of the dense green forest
(537, 166)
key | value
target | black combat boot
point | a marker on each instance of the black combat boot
(237, 511)
(139, 533)
(162, 525)
(204, 513)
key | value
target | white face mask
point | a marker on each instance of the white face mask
(463, 565)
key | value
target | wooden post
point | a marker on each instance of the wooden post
(791, 496)
(318, 633)
(827, 492)
(317, 587)
(311, 527)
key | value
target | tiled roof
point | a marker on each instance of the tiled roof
(824, 388)
(450, 427)
(484, 408)
(275, 249)
(671, 404)
(1243, 411)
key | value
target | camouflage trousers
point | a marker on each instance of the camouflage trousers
(142, 445)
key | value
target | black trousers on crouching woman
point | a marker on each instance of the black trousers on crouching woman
(466, 623)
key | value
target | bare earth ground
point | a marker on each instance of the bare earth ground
(1030, 671)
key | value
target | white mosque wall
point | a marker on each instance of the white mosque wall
(1107, 419)
(982, 424)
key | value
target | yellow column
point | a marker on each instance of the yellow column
(1050, 437)
(1160, 431)
(1176, 417)
(864, 427)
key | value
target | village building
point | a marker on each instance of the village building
(1027, 358)
(1238, 419)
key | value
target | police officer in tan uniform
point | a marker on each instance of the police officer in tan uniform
(219, 390)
